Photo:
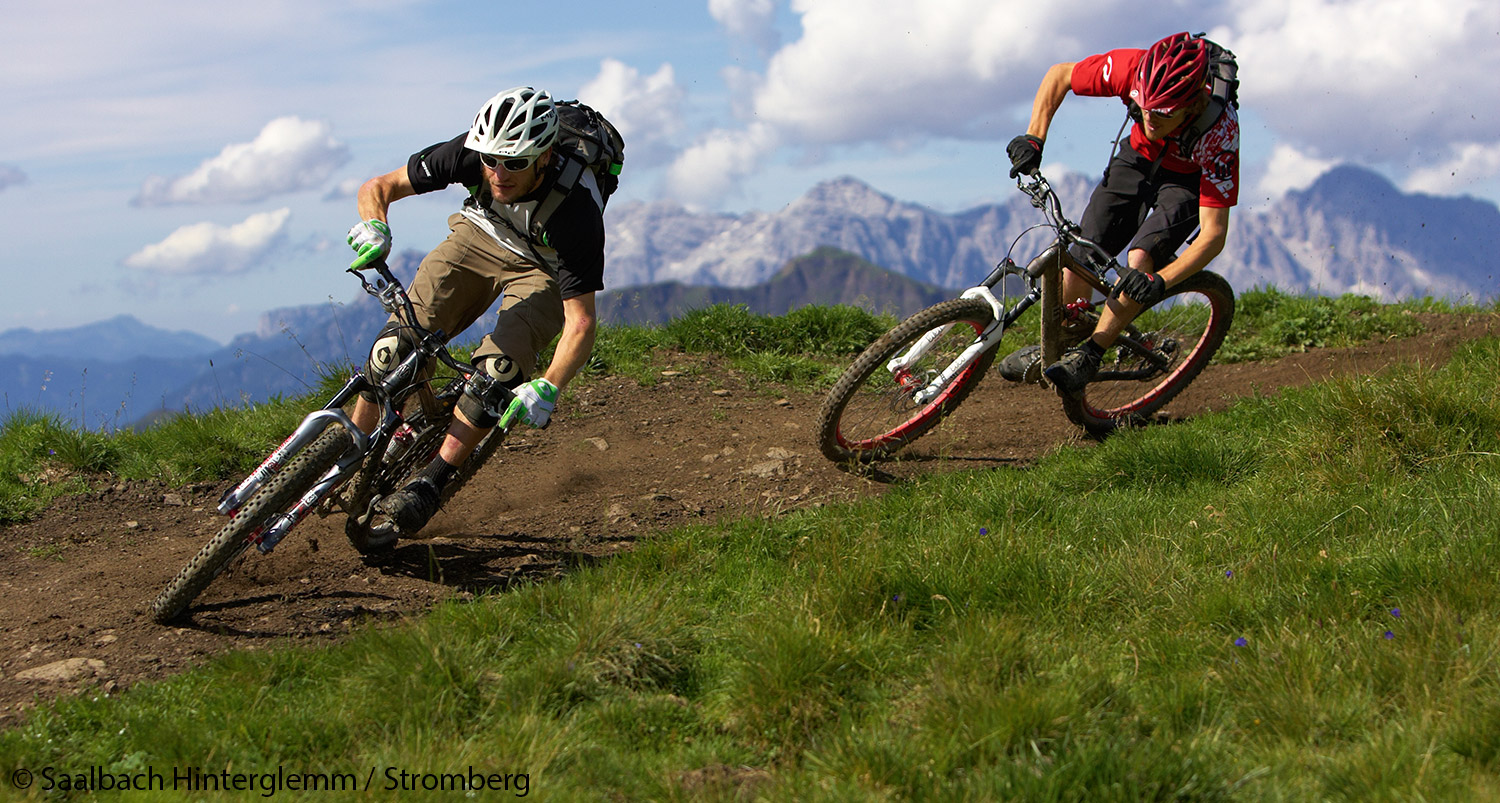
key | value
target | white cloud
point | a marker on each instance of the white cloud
(211, 249)
(1290, 169)
(750, 20)
(344, 189)
(901, 73)
(1471, 163)
(288, 155)
(10, 176)
(709, 172)
(1376, 81)
(646, 109)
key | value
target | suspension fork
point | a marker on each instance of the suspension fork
(986, 340)
(311, 427)
(283, 524)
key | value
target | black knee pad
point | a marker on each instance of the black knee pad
(488, 390)
(392, 345)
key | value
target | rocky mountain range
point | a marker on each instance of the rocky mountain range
(1351, 231)
(842, 242)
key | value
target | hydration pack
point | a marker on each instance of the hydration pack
(1224, 90)
(585, 142)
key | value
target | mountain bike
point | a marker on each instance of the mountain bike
(916, 374)
(329, 463)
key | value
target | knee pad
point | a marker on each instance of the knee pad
(392, 345)
(488, 390)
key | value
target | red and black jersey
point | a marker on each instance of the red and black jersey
(1216, 153)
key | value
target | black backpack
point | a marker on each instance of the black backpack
(585, 141)
(1224, 91)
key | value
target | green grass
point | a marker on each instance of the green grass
(1292, 600)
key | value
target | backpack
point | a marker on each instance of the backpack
(585, 141)
(1224, 90)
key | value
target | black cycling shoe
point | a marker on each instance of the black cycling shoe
(413, 506)
(1077, 367)
(1022, 365)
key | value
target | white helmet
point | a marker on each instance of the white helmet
(517, 122)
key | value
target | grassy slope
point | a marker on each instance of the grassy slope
(1291, 600)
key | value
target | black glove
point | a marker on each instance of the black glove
(1025, 154)
(1143, 288)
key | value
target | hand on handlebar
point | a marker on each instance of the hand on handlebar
(371, 240)
(1139, 286)
(533, 404)
(1025, 154)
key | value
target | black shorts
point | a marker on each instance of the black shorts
(1141, 205)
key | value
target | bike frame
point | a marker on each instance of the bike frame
(1097, 263)
(394, 388)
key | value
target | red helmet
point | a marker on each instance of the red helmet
(1172, 74)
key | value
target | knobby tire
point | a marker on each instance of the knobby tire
(1189, 325)
(869, 415)
(280, 492)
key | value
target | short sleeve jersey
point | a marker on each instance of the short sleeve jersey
(576, 229)
(1216, 153)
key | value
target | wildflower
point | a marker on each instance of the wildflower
(1389, 635)
(1229, 572)
(984, 531)
(1396, 612)
(1241, 642)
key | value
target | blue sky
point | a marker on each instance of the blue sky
(193, 164)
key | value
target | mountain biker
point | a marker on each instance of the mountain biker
(546, 283)
(1178, 171)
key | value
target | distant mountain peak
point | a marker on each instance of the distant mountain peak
(1348, 185)
(847, 194)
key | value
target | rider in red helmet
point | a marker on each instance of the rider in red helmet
(1178, 171)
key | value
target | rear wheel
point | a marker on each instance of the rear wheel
(1182, 332)
(245, 526)
(874, 410)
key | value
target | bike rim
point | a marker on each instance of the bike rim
(1187, 319)
(883, 413)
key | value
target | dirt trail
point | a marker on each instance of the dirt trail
(623, 463)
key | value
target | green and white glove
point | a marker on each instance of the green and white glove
(371, 239)
(533, 404)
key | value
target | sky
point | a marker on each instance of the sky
(194, 164)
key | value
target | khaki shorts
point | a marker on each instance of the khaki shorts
(462, 277)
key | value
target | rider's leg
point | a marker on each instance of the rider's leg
(366, 414)
(1172, 199)
(530, 316)
(1121, 310)
(449, 292)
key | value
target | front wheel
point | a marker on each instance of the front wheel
(882, 403)
(245, 526)
(1182, 332)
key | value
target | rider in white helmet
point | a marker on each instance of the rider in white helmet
(545, 272)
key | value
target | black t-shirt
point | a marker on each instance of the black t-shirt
(576, 229)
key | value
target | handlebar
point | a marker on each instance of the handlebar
(1043, 197)
(393, 298)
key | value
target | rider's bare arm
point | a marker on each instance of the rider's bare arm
(377, 194)
(577, 341)
(1049, 97)
(1214, 224)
